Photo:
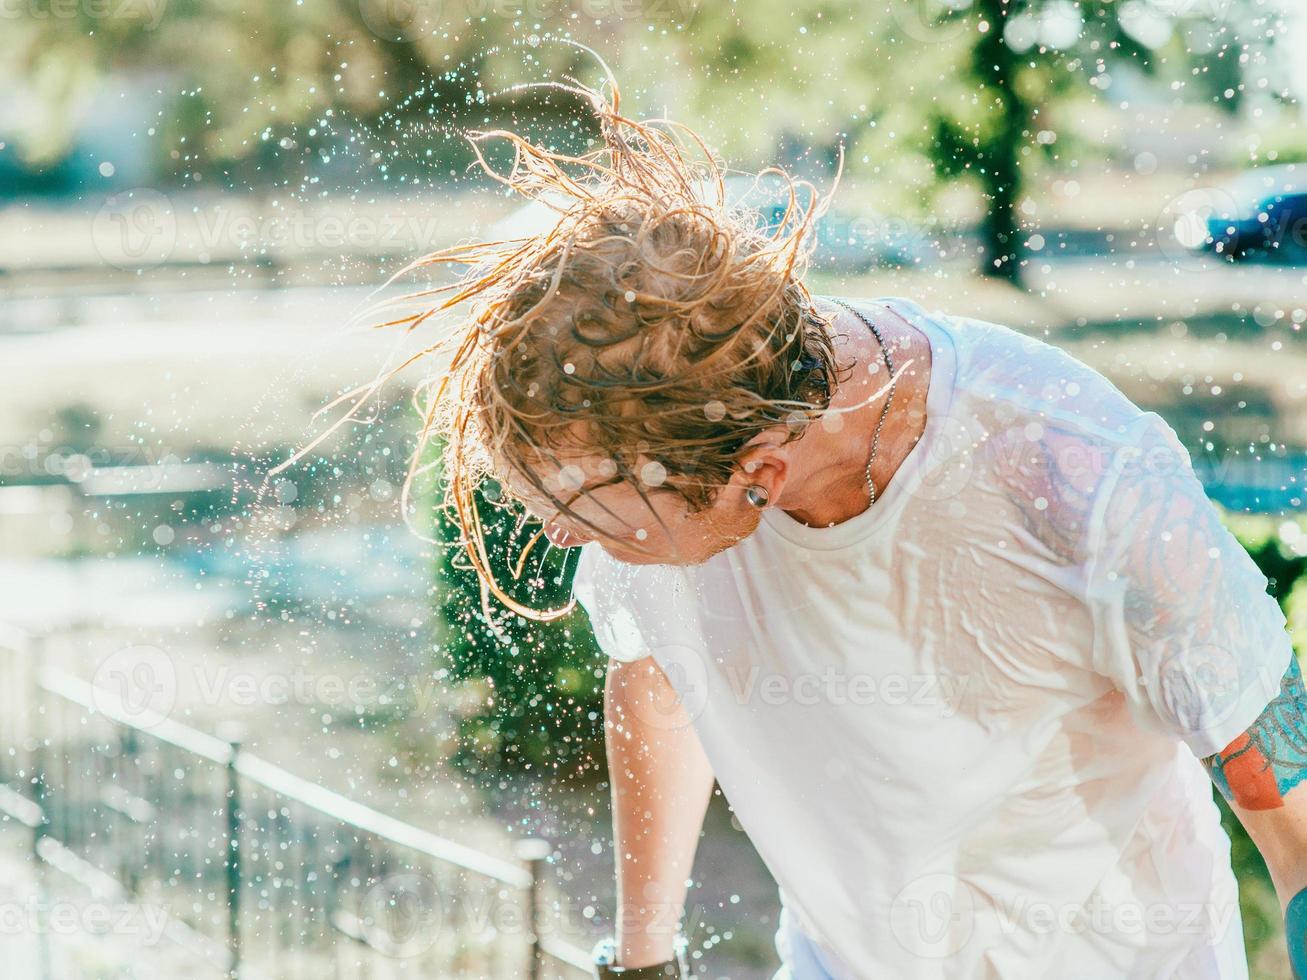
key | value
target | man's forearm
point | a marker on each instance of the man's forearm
(1295, 930)
(661, 782)
(1263, 774)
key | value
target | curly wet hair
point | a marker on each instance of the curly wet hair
(654, 321)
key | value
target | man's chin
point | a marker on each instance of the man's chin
(638, 557)
(681, 560)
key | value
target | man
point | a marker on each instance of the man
(948, 618)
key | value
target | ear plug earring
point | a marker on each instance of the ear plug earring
(757, 495)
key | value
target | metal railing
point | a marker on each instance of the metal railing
(260, 873)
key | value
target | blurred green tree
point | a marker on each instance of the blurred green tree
(921, 93)
(538, 686)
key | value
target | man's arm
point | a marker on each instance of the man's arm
(661, 782)
(1261, 773)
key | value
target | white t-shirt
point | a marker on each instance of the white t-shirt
(962, 727)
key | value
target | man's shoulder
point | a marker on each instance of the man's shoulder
(1051, 433)
(1004, 375)
(634, 609)
(602, 583)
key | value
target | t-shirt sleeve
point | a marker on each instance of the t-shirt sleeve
(1183, 624)
(617, 598)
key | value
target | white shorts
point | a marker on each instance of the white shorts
(800, 957)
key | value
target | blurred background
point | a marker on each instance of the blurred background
(255, 724)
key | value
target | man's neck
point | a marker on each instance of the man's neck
(828, 484)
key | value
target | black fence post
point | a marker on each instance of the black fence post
(37, 787)
(131, 853)
(534, 851)
(33, 723)
(232, 863)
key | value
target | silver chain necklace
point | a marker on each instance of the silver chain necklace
(875, 438)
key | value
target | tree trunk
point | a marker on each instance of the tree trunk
(996, 67)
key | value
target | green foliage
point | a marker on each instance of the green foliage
(918, 93)
(257, 95)
(1279, 551)
(1286, 145)
(538, 686)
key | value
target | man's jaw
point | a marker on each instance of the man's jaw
(561, 538)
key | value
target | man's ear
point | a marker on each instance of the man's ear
(764, 463)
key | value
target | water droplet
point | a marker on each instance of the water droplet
(653, 474)
(571, 477)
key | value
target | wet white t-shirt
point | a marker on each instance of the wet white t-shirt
(962, 728)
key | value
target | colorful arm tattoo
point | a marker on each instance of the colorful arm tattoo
(1258, 769)
(1256, 772)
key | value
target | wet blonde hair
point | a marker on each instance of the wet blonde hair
(654, 325)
